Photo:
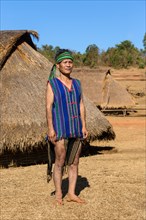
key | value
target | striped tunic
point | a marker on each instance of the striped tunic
(66, 109)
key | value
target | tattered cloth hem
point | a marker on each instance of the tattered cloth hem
(71, 145)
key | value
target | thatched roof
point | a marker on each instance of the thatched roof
(9, 40)
(97, 124)
(101, 88)
(24, 76)
(114, 95)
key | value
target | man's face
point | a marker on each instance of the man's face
(65, 66)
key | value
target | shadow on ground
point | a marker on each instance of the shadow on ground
(94, 150)
(82, 183)
(40, 155)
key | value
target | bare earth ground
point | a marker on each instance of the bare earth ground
(112, 182)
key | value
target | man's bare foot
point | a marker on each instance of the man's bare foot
(58, 202)
(74, 198)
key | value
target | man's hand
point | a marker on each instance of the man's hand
(52, 135)
(85, 133)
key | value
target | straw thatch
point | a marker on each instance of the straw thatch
(97, 124)
(9, 40)
(23, 82)
(24, 76)
(105, 91)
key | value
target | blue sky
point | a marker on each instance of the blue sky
(77, 24)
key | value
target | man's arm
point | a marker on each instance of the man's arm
(49, 103)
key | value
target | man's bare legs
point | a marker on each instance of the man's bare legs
(73, 174)
(60, 154)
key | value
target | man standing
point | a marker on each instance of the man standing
(66, 121)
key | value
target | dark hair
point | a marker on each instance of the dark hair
(61, 51)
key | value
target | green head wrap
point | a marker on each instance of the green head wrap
(60, 58)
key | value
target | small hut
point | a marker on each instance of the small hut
(105, 91)
(24, 74)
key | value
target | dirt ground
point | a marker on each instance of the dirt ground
(112, 181)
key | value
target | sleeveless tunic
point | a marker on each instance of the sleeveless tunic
(66, 109)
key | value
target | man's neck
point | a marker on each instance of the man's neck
(65, 78)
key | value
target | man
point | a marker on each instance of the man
(66, 121)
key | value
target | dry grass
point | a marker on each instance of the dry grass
(112, 183)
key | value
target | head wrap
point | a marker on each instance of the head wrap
(58, 59)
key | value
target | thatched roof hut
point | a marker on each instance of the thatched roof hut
(24, 73)
(105, 91)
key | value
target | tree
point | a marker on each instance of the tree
(48, 52)
(123, 55)
(144, 42)
(78, 59)
(91, 56)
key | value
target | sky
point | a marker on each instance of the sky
(77, 24)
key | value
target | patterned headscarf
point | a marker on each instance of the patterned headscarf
(60, 58)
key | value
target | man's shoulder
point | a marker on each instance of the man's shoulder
(77, 80)
(52, 80)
